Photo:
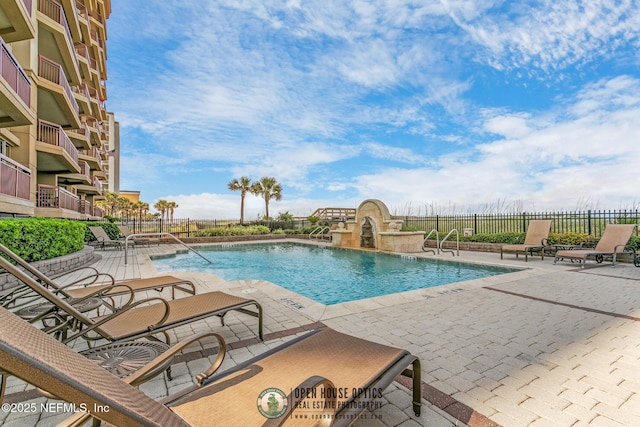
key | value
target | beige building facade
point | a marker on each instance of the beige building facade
(57, 140)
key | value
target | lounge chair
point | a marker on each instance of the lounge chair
(125, 231)
(104, 240)
(614, 238)
(323, 361)
(135, 320)
(126, 359)
(84, 286)
(535, 240)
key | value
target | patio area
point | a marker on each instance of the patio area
(550, 345)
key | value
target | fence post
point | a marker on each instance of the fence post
(589, 222)
(475, 223)
(161, 225)
(524, 222)
(188, 228)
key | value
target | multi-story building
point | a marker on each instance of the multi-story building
(55, 133)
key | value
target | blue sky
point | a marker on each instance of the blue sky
(430, 106)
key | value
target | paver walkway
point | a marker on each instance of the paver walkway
(552, 345)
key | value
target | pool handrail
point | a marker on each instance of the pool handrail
(131, 236)
(457, 243)
(318, 232)
(437, 242)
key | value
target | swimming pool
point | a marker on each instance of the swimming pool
(326, 275)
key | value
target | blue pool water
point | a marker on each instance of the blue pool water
(329, 276)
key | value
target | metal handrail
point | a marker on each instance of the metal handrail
(126, 244)
(437, 242)
(318, 231)
(457, 243)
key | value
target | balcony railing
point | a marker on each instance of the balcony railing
(98, 184)
(53, 134)
(82, 10)
(27, 5)
(82, 50)
(56, 197)
(84, 206)
(55, 11)
(98, 212)
(52, 71)
(82, 89)
(14, 74)
(15, 179)
(85, 169)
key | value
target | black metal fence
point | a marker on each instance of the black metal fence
(589, 222)
(187, 227)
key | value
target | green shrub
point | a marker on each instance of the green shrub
(278, 231)
(36, 239)
(634, 243)
(233, 231)
(109, 228)
(508, 238)
(569, 238)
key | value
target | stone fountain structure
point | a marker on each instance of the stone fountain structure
(373, 229)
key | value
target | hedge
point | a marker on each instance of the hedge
(35, 239)
(233, 231)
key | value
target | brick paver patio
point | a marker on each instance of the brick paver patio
(551, 345)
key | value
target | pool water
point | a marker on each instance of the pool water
(328, 276)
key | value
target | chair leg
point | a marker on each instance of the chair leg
(3, 384)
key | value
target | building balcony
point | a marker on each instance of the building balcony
(15, 91)
(56, 152)
(49, 196)
(15, 22)
(81, 94)
(54, 201)
(92, 157)
(73, 22)
(95, 129)
(82, 178)
(15, 179)
(56, 102)
(95, 188)
(55, 40)
(80, 137)
(88, 65)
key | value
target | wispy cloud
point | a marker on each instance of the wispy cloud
(548, 36)
(398, 100)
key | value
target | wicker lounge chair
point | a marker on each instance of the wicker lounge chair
(125, 231)
(126, 359)
(136, 320)
(104, 240)
(535, 240)
(86, 285)
(323, 360)
(614, 238)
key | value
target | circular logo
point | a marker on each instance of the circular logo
(272, 403)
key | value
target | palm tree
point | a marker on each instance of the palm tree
(142, 208)
(171, 206)
(110, 202)
(243, 185)
(161, 206)
(269, 189)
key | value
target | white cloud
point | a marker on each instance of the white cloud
(550, 36)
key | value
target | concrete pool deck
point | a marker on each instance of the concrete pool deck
(550, 345)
